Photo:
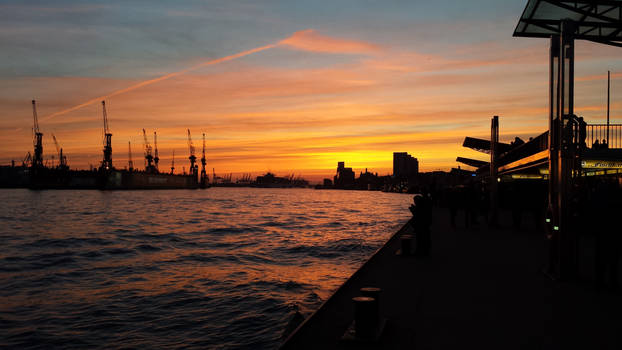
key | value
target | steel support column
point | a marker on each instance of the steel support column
(494, 184)
(562, 256)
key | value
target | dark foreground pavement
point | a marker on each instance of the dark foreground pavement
(481, 288)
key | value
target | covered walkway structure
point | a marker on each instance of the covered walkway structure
(571, 151)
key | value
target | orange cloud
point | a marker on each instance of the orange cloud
(291, 119)
(310, 40)
(296, 118)
(160, 78)
(306, 40)
(415, 62)
(602, 77)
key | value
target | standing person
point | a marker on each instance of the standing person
(468, 203)
(473, 203)
(453, 205)
(423, 218)
(484, 202)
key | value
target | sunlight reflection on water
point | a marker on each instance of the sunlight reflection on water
(223, 267)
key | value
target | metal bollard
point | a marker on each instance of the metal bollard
(373, 292)
(364, 320)
(406, 241)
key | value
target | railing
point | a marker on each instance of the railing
(531, 147)
(599, 132)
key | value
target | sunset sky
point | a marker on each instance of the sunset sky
(286, 86)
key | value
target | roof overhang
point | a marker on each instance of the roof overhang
(595, 20)
(482, 145)
(472, 162)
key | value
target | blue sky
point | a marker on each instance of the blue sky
(117, 38)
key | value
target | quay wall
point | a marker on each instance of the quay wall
(341, 299)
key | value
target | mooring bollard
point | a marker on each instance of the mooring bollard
(406, 244)
(373, 292)
(364, 317)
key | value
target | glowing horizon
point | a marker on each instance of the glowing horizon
(299, 100)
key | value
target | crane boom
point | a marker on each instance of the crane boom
(193, 158)
(173, 163)
(62, 159)
(203, 163)
(34, 115)
(107, 161)
(56, 144)
(190, 145)
(27, 160)
(130, 162)
(37, 159)
(105, 116)
(146, 145)
(156, 157)
(203, 146)
(148, 157)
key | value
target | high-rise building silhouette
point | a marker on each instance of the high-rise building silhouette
(344, 177)
(404, 165)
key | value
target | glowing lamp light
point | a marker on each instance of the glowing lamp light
(556, 228)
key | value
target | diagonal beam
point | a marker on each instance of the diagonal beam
(609, 10)
(606, 42)
(582, 12)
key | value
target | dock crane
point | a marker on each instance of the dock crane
(62, 159)
(57, 151)
(130, 162)
(27, 161)
(156, 157)
(107, 161)
(37, 159)
(203, 162)
(193, 158)
(173, 164)
(148, 156)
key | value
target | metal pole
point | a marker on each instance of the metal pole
(566, 154)
(553, 237)
(494, 186)
(608, 91)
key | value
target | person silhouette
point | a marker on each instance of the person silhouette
(422, 212)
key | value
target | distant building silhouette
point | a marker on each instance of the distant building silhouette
(344, 177)
(369, 181)
(271, 180)
(404, 165)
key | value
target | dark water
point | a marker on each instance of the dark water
(216, 268)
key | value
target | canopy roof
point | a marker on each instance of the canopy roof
(472, 162)
(596, 20)
(483, 146)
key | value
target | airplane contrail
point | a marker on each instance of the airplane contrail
(164, 77)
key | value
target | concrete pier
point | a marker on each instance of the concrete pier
(480, 288)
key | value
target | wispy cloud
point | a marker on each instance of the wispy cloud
(310, 40)
(322, 97)
(307, 40)
(160, 78)
(297, 117)
(602, 77)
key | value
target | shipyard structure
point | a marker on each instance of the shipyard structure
(34, 173)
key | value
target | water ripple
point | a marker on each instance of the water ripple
(220, 268)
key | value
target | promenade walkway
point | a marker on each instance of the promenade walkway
(481, 288)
